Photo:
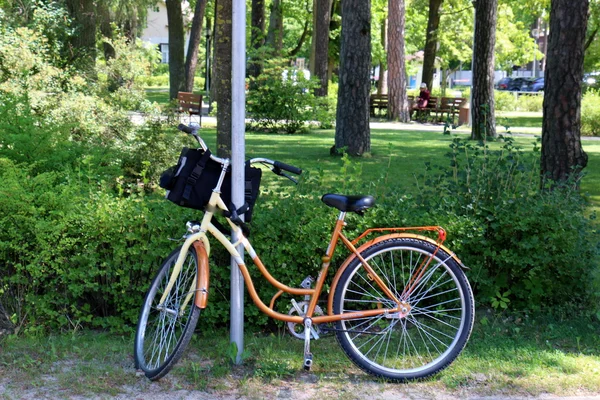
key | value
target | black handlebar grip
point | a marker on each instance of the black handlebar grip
(289, 168)
(185, 128)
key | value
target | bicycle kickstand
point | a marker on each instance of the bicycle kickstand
(307, 334)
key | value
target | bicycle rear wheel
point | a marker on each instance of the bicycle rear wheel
(164, 330)
(439, 317)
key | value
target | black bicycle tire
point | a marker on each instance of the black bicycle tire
(186, 335)
(359, 359)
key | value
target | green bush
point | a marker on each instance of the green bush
(590, 113)
(282, 99)
(504, 101)
(532, 103)
(539, 245)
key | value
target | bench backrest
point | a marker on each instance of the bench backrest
(189, 102)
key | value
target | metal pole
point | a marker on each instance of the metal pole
(238, 100)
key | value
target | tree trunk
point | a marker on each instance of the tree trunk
(431, 42)
(352, 127)
(303, 36)
(563, 157)
(83, 13)
(222, 81)
(191, 59)
(257, 38)
(482, 103)
(398, 101)
(275, 32)
(105, 29)
(382, 82)
(321, 37)
(6, 327)
(176, 47)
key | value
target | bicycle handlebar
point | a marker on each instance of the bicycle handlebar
(277, 165)
(287, 167)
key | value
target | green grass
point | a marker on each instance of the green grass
(506, 355)
(520, 119)
(401, 154)
(158, 95)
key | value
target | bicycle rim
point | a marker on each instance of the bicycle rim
(164, 330)
(420, 343)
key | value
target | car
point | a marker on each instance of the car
(537, 85)
(516, 84)
(502, 84)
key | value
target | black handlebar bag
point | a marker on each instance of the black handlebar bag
(190, 183)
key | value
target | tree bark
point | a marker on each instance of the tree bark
(352, 127)
(257, 36)
(176, 47)
(563, 157)
(398, 101)
(275, 32)
(105, 29)
(321, 37)
(6, 326)
(431, 42)
(382, 82)
(482, 103)
(222, 81)
(83, 13)
(191, 60)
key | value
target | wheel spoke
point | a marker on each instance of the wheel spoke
(436, 325)
(165, 329)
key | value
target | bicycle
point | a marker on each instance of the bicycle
(400, 304)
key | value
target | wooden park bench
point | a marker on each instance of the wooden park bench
(449, 106)
(190, 104)
(424, 114)
(378, 102)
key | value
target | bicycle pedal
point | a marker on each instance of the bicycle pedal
(308, 362)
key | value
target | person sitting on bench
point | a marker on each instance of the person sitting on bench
(423, 98)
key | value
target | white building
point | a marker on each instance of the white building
(157, 28)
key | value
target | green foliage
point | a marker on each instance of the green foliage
(282, 98)
(590, 113)
(507, 101)
(532, 103)
(540, 245)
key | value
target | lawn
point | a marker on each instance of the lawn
(403, 153)
(509, 354)
(506, 356)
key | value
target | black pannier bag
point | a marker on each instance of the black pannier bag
(190, 183)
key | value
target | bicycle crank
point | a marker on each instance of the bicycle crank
(297, 330)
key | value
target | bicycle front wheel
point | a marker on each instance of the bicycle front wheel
(439, 310)
(164, 329)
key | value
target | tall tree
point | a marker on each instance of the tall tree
(106, 29)
(257, 36)
(83, 13)
(275, 32)
(176, 47)
(562, 155)
(321, 38)
(431, 41)
(222, 81)
(352, 119)
(482, 104)
(191, 60)
(396, 60)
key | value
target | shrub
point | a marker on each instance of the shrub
(504, 101)
(540, 245)
(533, 103)
(590, 113)
(282, 99)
